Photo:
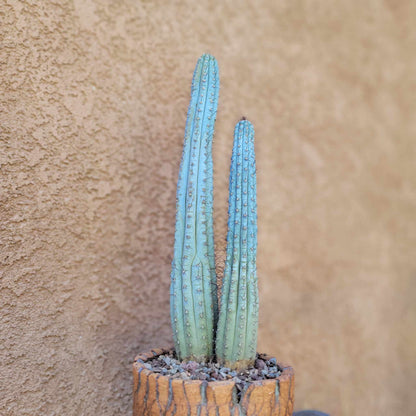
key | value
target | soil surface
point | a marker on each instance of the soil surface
(167, 364)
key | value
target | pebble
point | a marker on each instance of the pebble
(215, 376)
(253, 372)
(260, 364)
(190, 366)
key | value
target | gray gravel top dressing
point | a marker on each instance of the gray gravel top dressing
(168, 365)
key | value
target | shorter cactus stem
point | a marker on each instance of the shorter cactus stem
(236, 340)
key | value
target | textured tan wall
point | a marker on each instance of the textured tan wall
(93, 104)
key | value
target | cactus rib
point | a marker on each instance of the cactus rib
(236, 340)
(193, 281)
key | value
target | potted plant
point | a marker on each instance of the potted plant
(214, 368)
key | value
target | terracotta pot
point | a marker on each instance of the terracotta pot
(156, 394)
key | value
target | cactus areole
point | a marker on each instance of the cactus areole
(199, 331)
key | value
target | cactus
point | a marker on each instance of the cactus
(194, 305)
(194, 308)
(236, 340)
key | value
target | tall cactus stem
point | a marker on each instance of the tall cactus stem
(236, 340)
(193, 291)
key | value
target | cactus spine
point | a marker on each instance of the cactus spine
(194, 305)
(236, 340)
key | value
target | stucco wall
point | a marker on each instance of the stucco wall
(93, 105)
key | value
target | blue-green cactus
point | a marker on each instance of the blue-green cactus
(194, 305)
(194, 309)
(236, 340)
